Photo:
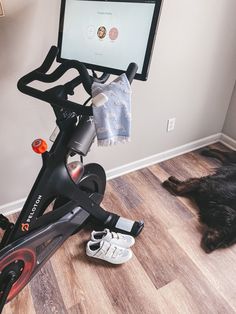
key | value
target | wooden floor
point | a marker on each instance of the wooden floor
(169, 272)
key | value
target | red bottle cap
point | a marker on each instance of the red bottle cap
(39, 146)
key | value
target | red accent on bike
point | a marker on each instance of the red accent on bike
(26, 255)
(24, 227)
(39, 146)
(76, 170)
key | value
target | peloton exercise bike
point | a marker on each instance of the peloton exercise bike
(73, 190)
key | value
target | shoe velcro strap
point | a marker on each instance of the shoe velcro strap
(114, 235)
(116, 252)
(103, 250)
(99, 253)
(111, 251)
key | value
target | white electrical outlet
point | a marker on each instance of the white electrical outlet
(171, 124)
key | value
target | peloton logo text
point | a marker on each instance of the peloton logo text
(34, 208)
(25, 226)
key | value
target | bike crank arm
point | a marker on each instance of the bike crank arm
(105, 218)
(10, 280)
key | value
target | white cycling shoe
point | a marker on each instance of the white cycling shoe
(119, 239)
(108, 252)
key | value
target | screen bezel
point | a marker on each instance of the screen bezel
(149, 49)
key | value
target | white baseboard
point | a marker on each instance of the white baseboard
(228, 141)
(13, 207)
(142, 163)
(16, 206)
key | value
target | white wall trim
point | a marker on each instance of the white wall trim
(228, 141)
(14, 207)
(142, 163)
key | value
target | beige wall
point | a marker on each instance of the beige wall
(191, 78)
(230, 121)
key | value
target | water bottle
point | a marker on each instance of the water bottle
(83, 136)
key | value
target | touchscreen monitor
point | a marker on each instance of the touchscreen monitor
(108, 35)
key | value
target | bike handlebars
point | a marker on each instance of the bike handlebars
(39, 74)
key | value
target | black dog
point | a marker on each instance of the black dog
(215, 196)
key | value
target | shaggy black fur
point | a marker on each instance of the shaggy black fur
(215, 196)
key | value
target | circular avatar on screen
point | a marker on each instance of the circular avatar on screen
(101, 32)
(113, 33)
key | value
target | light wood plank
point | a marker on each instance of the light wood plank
(45, 292)
(95, 297)
(218, 266)
(69, 283)
(156, 201)
(22, 303)
(116, 285)
(78, 283)
(162, 175)
(175, 299)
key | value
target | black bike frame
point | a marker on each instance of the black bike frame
(54, 181)
(36, 235)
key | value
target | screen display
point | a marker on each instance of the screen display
(108, 35)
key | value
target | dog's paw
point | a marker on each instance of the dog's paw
(174, 180)
(169, 186)
(211, 240)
